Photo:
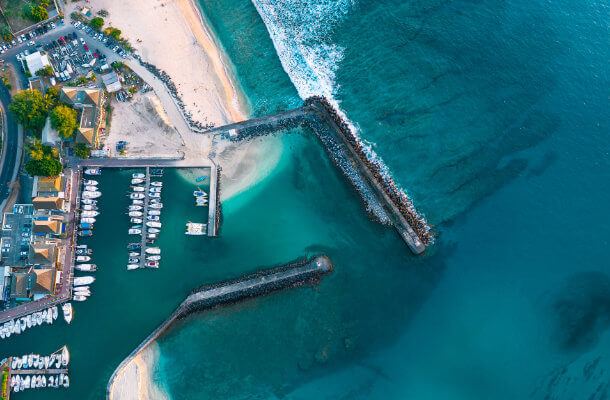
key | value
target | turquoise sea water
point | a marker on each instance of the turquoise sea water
(494, 116)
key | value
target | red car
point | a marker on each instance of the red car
(86, 47)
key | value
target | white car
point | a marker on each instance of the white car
(31, 43)
(19, 39)
(77, 24)
(52, 25)
(82, 41)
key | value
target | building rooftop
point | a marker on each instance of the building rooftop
(36, 61)
(111, 82)
(48, 203)
(45, 280)
(47, 226)
(43, 253)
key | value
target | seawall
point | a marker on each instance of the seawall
(299, 272)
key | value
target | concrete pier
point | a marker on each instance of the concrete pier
(302, 271)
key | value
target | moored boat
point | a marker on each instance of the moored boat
(137, 181)
(138, 175)
(93, 171)
(132, 266)
(90, 182)
(79, 297)
(152, 264)
(83, 258)
(133, 231)
(86, 267)
(83, 280)
(136, 220)
(153, 250)
(85, 233)
(135, 213)
(137, 196)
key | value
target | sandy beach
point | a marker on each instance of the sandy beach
(134, 381)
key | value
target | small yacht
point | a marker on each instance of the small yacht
(132, 266)
(86, 267)
(85, 225)
(91, 188)
(154, 195)
(93, 171)
(136, 220)
(89, 201)
(82, 246)
(137, 196)
(138, 202)
(134, 260)
(157, 206)
(151, 235)
(134, 246)
(199, 193)
(154, 212)
(135, 208)
(83, 258)
(90, 213)
(91, 194)
(156, 183)
(83, 252)
(152, 217)
(153, 258)
(136, 214)
(67, 309)
(138, 175)
(155, 190)
(134, 254)
(137, 181)
(83, 280)
(152, 264)
(153, 224)
(153, 230)
(133, 231)
(79, 297)
(89, 207)
(138, 188)
(85, 233)
(87, 220)
(90, 182)
(153, 250)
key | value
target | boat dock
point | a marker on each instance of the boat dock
(214, 202)
(263, 282)
(19, 379)
(145, 213)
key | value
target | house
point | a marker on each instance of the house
(48, 185)
(44, 282)
(111, 82)
(37, 61)
(48, 203)
(47, 226)
(90, 103)
(21, 285)
(43, 253)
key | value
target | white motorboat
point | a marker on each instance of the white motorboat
(154, 212)
(89, 207)
(153, 230)
(87, 220)
(156, 183)
(89, 201)
(138, 202)
(153, 250)
(137, 181)
(155, 201)
(90, 182)
(151, 235)
(84, 288)
(137, 196)
(135, 213)
(153, 224)
(83, 280)
(135, 208)
(93, 171)
(157, 206)
(153, 258)
(155, 190)
(154, 195)
(79, 297)
(138, 188)
(83, 258)
(132, 266)
(65, 356)
(134, 254)
(86, 267)
(91, 194)
(136, 220)
(152, 217)
(138, 176)
(90, 213)
(91, 188)
(194, 228)
(133, 231)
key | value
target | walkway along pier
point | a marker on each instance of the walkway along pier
(299, 272)
(384, 199)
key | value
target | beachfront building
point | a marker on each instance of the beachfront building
(48, 193)
(111, 82)
(90, 103)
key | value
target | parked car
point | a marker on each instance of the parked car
(116, 48)
(31, 43)
(77, 24)
(82, 41)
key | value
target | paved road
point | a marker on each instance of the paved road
(11, 145)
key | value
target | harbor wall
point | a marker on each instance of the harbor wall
(299, 272)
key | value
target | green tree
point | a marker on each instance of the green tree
(39, 13)
(47, 70)
(113, 32)
(81, 150)
(31, 109)
(63, 119)
(43, 160)
(97, 23)
(52, 96)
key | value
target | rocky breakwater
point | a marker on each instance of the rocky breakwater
(396, 197)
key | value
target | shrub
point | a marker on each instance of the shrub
(97, 23)
(81, 150)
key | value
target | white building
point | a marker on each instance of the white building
(36, 61)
